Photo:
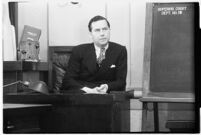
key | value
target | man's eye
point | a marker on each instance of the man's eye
(97, 30)
(105, 29)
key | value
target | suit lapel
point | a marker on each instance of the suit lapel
(91, 62)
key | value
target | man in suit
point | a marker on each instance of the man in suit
(98, 67)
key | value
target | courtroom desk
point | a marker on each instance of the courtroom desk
(23, 118)
(80, 113)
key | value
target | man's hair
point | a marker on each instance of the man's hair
(97, 18)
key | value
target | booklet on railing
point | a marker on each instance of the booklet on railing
(30, 33)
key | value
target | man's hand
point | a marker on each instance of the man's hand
(102, 89)
(90, 90)
(97, 90)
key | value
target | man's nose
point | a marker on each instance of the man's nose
(102, 33)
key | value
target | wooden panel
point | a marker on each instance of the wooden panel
(11, 73)
(21, 118)
(72, 99)
(9, 77)
(12, 65)
(76, 119)
(79, 112)
(25, 71)
(147, 49)
(169, 97)
(35, 66)
(87, 118)
(25, 66)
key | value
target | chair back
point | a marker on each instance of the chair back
(58, 61)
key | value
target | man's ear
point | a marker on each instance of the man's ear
(90, 34)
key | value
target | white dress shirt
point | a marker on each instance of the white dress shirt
(97, 50)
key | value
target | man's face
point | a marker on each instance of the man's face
(100, 33)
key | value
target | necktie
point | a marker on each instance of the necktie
(101, 56)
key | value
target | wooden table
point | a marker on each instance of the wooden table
(165, 97)
(79, 113)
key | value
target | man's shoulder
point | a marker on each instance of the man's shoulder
(82, 46)
(88, 45)
(116, 45)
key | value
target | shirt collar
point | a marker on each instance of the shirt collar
(98, 48)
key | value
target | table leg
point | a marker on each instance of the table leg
(156, 117)
(144, 117)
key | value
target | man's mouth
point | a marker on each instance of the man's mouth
(102, 39)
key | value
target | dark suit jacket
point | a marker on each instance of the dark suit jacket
(83, 69)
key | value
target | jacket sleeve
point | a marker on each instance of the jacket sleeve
(72, 71)
(120, 82)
